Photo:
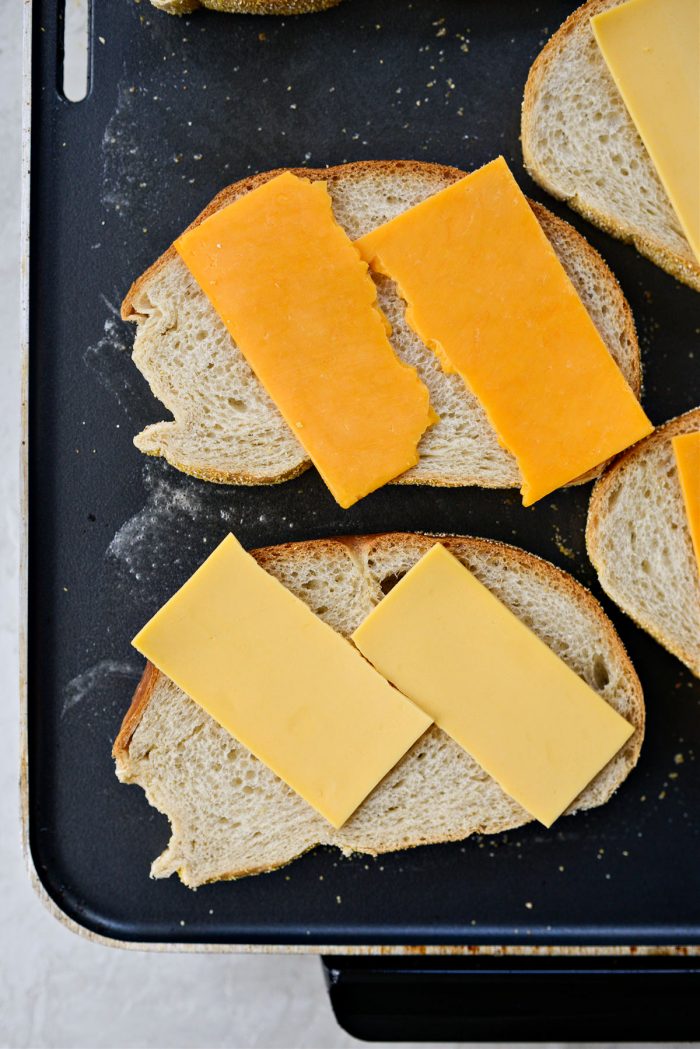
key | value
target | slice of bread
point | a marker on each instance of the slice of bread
(245, 7)
(639, 542)
(581, 145)
(225, 426)
(231, 816)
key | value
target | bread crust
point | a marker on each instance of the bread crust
(214, 476)
(681, 268)
(360, 547)
(132, 718)
(439, 174)
(245, 7)
(688, 422)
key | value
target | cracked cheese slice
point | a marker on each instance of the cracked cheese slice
(490, 683)
(486, 291)
(652, 49)
(282, 682)
(300, 305)
(686, 448)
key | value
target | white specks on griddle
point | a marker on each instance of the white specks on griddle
(180, 517)
(109, 360)
(91, 682)
(121, 152)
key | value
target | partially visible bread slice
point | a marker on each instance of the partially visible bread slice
(231, 815)
(225, 426)
(639, 542)
(581, 145)
(245, 7)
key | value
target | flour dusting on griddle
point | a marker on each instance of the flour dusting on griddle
(110, 360)
(95, 679)
(181, 522)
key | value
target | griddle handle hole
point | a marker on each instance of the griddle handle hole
(74, 49)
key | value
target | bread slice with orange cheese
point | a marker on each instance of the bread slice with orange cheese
(640, 541)
(231, 815)
(227, 429)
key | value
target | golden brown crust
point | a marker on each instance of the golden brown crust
(139, 702)
(361, 548)
(686, 423)
(246, 7)
(683, 269)
(211, 474)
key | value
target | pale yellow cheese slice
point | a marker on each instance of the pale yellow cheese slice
(281, 681)
(489, 682)
(652, 49)
(686, 448)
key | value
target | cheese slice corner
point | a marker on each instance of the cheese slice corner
(488, 681)
(686, 449)
(652, 50)
(282, 682)
(302, 308)
(486, 291)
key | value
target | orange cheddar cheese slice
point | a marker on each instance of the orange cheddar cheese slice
(301, 306)
(487, 293)
(686, 448)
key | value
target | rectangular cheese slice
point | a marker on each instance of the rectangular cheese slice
(486, 291)
(491, 684)
(301, 306)
(686, 448)
(282, 682)
(652, 49)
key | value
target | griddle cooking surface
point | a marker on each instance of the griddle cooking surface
(178, 108)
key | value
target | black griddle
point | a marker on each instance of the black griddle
(178, 108)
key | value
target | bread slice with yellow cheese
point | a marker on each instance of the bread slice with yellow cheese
(231, 816)
(225, 427)
(581, 144)
(640, 541)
